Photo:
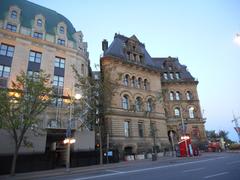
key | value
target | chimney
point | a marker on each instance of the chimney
(104, 45)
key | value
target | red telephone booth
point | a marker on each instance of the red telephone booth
(185, 146)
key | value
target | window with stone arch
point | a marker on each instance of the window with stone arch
(189, 95)
(145, 84)
(171, 95)
(191, 112)
(126, 80)
(150, 105)
(139, 82)
(138, 104)
(177, 112)
(133, 81)
(125, 102)
(178, 95)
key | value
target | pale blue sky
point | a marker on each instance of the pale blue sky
(200, 33)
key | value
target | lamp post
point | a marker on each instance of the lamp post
(69, 140)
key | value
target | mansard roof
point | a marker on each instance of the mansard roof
(116, 49)
(28, 12)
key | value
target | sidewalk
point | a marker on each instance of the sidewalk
(83, 169)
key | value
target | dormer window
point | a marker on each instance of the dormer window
(61, 42)
(61, 30)
(11, 27)
(177, 75)
(14, 14)
(39, 23)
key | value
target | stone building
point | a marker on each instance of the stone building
(155, 100)
(33, 37)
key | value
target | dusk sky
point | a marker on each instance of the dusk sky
(200, 33)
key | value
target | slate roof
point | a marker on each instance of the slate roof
(116, 49)
(117, 46)
(28, 12)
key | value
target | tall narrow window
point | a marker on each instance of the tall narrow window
(171, 75)
(177, 112)
(177, 75)
(165, 75)
(145, 84)
(138, 104)
(126, 80)
(149, 105)
(133, 81)
(14, 14)
(191, 112)
(189, 95)
(82, 69)
(125, 102)
(140, 129)
(126, 129)
(171, 96)
(177, 95)
(139, 83)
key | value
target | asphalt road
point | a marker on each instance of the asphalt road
(220, 166)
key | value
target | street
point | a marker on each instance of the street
(219, 166)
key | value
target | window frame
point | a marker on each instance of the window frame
(126, 128)
(3, 71)
(125, 102)
(39, 22)
(59, 62)
(35, 57)
(38, 35)
(177, 112)
(58, 81)
(11, 27)
(7, 51)
(140, 129)
(14, 14)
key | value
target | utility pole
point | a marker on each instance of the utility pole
(237, 128)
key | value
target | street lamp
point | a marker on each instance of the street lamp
(69, 140)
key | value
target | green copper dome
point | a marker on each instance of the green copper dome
(28, 12)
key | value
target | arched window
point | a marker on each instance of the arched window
(189, 95)
(39, 23)
(133, 81)
(177, 112)
(61, 30)
(139, 83)
(145, 84)
(125, 102)
(171, 96)
(191, 112)
(14, 14)
(138, 104)
(126, 80)
(177, 95)
(149, 105)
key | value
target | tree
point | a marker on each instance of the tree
(20, 106)
(96, 97)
